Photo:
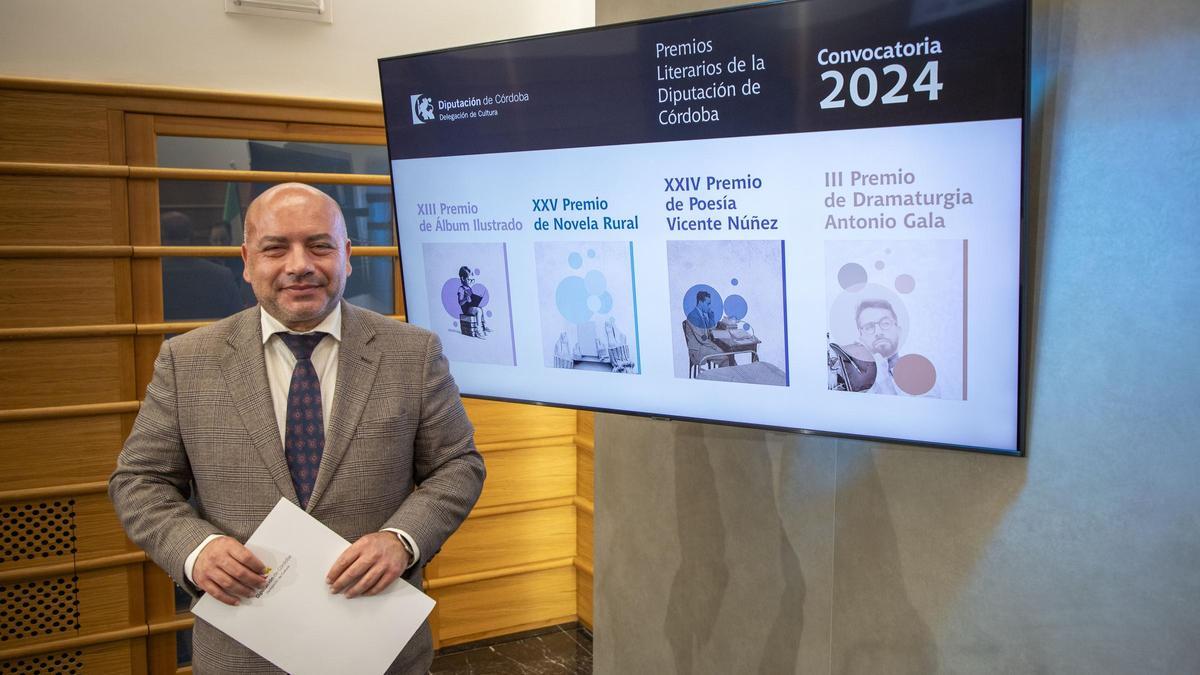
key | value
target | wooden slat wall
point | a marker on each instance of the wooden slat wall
(585, 537)
(54, 211)
(79, 253)
(53, 127)
(522, 531)
(64, 551)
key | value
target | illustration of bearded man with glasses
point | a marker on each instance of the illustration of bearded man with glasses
(868, 365)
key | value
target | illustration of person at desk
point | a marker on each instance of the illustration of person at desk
(698, 333)
(471, 318)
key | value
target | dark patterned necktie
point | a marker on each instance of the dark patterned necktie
(304, 434)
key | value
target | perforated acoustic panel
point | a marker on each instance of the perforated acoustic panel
(57, 663)
(38, 608)
(37, 530)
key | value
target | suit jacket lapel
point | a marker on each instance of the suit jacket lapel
(245, 370)
(358, 361)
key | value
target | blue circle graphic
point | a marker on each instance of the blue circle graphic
(596, 283)
(697, 316)
(736, 308)
(605, 303)
(591, 253)
(571, 297)
(575, 261)
(733, 281)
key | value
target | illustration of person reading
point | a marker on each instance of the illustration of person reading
(471, 318)
(697, 333)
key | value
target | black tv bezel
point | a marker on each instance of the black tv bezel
(1023, 246)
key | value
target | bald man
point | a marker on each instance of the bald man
(350, 415)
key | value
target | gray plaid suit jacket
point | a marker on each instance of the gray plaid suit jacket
(399, 453)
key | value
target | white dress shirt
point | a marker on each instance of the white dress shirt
(280, 363)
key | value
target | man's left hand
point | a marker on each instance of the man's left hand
(369, 565)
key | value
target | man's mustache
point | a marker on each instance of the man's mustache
(307, 279)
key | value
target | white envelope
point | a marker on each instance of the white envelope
(296, 623)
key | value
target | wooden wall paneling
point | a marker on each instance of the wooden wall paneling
(127, 425)
(79, 531)
(585, 479)
(158, 607)
(583, 598)
(585, 537)
(585, 422)
(111, 658)
(116, 136)
(585, 520)
(223, 106)
(161, 655)
(129, 389)
(46, 452)
(483, 609)
(528, 474)
(119, 189)
(137, 649)
(141, 149)
(70, 252)
(123, 278)
(63, 412)
(100, 534)
(46, 609)
(208, 103)
(66, 332)
(34, 374)
(144, 230)
(57, 211)
(584, 565)
(170, 327)
(235, 251)
(47, 127)
(122, 269)
(37, 533)
(268, 130)
(64, 170)
(135, 596)
(145, 349)
(140, 141)
(496, 421)
(244, 176)
(57, 292)
(509, 540)
(146, 273)
(585, 474)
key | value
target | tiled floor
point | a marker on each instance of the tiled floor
(549, 651)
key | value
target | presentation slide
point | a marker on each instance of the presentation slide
(799, 216)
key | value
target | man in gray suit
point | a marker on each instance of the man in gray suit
(349, 414)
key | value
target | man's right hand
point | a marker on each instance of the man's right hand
(228, 571)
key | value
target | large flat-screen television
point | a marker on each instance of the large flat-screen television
(792, 215)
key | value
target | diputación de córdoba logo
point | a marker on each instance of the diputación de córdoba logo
(422, 108)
